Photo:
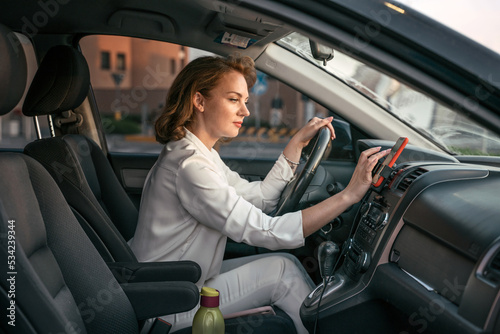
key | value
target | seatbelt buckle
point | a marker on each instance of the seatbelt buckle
(160, 326)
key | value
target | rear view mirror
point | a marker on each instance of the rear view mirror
(321, 52)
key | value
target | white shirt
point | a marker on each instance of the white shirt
(192, 202)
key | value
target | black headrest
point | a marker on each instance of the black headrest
(13, 70)
(61, 82)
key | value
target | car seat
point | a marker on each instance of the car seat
(77, 163)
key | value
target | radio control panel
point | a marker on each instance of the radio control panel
(374, 217)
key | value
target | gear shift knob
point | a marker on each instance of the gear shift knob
(328, 253)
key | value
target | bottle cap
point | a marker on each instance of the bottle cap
(209, 297)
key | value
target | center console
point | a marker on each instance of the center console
(374, 217)
(372, 228)
(422, 255)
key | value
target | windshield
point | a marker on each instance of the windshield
(448, 128)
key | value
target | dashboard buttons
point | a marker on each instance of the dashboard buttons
(374, 216)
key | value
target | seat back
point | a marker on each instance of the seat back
(87, 181)
(56, 259)
(77, 164)
(31, 297)
(20, 273)
(56, 282)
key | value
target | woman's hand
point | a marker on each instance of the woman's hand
(300, 140)
(308, 131)
(362, 177)
(315, 217)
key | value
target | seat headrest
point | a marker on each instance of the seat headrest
(61, 82)
(13, 70)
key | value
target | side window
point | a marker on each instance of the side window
(17, 130)
(130, 94)
(277, 112)
(131, 89)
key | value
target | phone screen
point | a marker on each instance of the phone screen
(389, 160)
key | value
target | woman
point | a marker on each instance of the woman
(192, 201)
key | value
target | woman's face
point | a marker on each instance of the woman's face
(224, 109)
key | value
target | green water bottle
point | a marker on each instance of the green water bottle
(208, 319)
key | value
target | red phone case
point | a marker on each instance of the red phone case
(393, 160)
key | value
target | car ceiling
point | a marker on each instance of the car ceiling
(191, 23)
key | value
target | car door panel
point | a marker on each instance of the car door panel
(132, 169)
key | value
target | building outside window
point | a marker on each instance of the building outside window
(105, 60)
(173, 67)
(120, 62)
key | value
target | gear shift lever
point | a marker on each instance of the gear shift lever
(328, 253)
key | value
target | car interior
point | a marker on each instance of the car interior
(419, 254)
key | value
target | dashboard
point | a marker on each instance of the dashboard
(424, 255)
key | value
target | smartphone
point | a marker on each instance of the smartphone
(389, 160)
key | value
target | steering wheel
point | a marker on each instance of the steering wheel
(296, 188)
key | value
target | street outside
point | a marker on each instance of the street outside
(239, 148)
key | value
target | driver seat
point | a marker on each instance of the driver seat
(77, 163)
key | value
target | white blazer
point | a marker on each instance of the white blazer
(192, 202)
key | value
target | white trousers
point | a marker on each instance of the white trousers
(254, 281)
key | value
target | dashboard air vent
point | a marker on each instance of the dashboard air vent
(492, 272)
(408, 179)
(495, 264)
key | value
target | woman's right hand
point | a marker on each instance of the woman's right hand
(362, 177)
(315, 217)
